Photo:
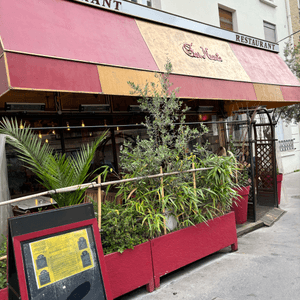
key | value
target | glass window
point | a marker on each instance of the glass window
(225, 19)
(149, 3)
(270, 32)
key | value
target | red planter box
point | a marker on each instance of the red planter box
(130, 270)
(4, 294)
(240, 207)
(279, 183)
(177, 249)
(146, 263)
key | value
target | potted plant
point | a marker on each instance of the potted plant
(199, 202)
(242, 180)
(202, 211)
(127, 249)
(53, 170)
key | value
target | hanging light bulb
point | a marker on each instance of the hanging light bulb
(40, 135)
(46, 141)
(91, 133)
(82, 124)
(68, 126)
(53, 131)
(118, 128)
(21, 125)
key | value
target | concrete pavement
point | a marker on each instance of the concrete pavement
(266, 266)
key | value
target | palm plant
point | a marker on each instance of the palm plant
(53, 170)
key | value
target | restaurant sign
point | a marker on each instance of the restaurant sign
(188, 50)
(152, 14)
(254, 42)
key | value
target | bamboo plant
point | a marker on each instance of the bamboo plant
(167, 147)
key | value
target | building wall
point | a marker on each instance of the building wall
(290, 158)
(294, 11)
(154, 3)
(248, 16)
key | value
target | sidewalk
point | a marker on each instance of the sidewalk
(266, 266)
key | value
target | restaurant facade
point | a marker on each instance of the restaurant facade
(65, 67)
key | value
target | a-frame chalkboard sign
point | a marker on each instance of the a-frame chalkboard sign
(57, 255)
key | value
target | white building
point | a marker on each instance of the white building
(263, 19)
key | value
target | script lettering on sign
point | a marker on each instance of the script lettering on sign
(188, 50)
(254, 42)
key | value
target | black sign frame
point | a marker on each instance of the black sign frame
(31, 228)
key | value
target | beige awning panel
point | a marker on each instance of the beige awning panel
(167, 43)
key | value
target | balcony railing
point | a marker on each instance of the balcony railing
(286, 145)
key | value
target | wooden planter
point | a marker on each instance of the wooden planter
(147, 262)
(4, 294)
(240, 207)
(279, 183)
(177, 249)
(130, 270)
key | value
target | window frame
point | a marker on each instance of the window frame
(225, 21)
(269, 2)
(271, 26)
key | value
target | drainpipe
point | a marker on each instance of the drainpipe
(288, 16)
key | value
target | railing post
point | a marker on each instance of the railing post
(99, 202)
(194, 179)
(163, 195)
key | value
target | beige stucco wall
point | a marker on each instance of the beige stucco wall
(294, 10)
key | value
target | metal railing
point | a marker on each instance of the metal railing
(286, 145)
(97, 185)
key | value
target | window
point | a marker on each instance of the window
(135, 1)
(149, 3)
(269, 2)
(225, 19)
(270, 32)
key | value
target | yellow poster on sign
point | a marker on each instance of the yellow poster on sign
(61, 256)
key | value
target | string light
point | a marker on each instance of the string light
(82, 124)
(40, 135)
(53, 131)
(46, 141)
(68, 126)
(21, 125)
(117, 128)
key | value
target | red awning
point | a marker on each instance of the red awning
(67, 46)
